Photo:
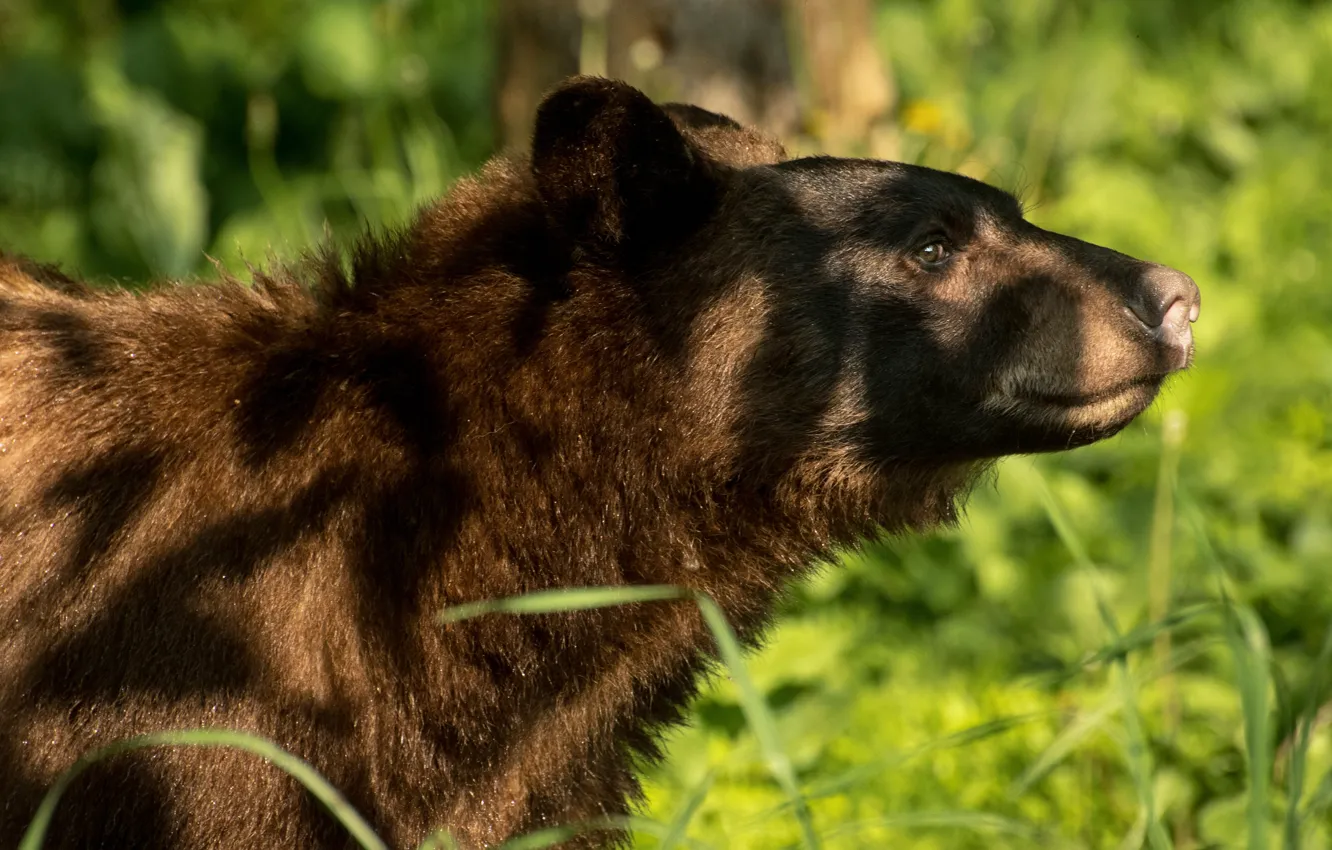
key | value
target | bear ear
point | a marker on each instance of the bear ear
(723, 139)
(616, 175)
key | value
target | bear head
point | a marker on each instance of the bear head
(884, 313)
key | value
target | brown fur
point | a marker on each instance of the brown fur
(655, 354)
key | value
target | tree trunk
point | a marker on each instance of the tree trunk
(730, 56)
(851, 87)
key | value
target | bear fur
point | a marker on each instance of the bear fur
(657, 352)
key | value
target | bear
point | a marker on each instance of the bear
(654, 350)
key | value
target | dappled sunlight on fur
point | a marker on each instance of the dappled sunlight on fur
(656, 353)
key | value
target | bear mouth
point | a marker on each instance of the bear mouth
(1148, 384)
(1102, 412)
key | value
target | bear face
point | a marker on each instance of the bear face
(659, 352)
(911, 315)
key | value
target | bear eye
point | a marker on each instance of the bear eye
(934, 253)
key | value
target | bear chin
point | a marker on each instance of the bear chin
(1060, 421)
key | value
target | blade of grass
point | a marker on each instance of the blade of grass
(1248, 641)
(1064, 743)
(1249, 645)
(680, 824)
(1321, 799)
(262, 747)
(1189, 508)
(662, 831)
(983, 822)
(438, 840)
(1141, 766)
(556, 835)
(1159, 557)
(1140, 637)
(757, 713)
(1299, 750)
(970, 735)
(564, 599)
(1087, 722)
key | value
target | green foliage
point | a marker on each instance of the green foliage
(144, 135)
(1080, 663)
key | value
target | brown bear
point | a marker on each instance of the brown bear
(657, 352)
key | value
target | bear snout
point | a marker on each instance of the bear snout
(1167, 304)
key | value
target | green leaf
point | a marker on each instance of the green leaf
(563, 599)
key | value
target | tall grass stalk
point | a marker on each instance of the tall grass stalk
(1138, 753)
(679, 825)
(1159, 558)
(1252, 656)
(1299, 746)
(1249, 646)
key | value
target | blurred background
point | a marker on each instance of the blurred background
(1121, 646)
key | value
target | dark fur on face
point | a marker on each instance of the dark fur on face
(657, 353)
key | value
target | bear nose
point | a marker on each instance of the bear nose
(1167, 304)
